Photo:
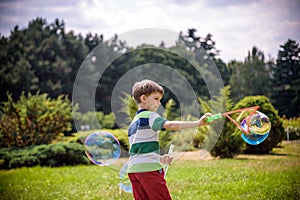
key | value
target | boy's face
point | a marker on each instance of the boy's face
(151, 102)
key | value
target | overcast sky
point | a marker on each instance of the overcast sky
(236, 25)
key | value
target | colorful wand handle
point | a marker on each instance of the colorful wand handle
(213, 117)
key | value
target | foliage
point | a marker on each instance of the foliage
(33, 120)
(95, 120)
(204, 49)
(108, 121)
(251, 177)
(171, 113)
(250, 77)
(291, 127)
(195, 43)
(276, 134)
(224, 143)
(45, 57)
(52, 155)
(92, 68)
(40, 57)
(286, 79)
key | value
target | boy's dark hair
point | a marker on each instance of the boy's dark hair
(145, 87)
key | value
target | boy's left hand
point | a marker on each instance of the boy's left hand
(166, 159)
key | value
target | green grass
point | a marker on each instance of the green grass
(275, 176)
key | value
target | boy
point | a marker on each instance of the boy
(145, 167)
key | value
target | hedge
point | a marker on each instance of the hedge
(53, 155)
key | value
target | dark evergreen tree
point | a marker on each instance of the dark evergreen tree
(286, 79)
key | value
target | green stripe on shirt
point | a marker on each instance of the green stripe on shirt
(144, 114)
(144, 147)
(144, 167)
(158, 124)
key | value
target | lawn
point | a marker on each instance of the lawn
(275, 176)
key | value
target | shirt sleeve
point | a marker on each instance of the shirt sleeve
(156, 122)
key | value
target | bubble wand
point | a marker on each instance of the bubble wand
(171, 149)
(255, 126)
(226, 114)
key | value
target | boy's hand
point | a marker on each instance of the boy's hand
(166, 159)
(202, 121)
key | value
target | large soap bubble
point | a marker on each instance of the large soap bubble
(258, 126)
(102, 148)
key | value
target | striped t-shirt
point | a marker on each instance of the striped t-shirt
(144, 142)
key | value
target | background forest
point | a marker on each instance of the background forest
(44, 57)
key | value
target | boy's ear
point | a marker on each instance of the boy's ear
(143, 98)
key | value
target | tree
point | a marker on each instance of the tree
(204, 49)
(41, 57)
(250, 77)
(286, 79)
(196, 43)
(16, 73)
(92, 41)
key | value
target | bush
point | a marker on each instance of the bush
(277, 131)
(33, 120)
(54, 155)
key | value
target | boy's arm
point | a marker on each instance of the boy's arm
(179, 125)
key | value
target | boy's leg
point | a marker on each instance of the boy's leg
(154, 185)
(137, 188)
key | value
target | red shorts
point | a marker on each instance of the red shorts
(149, 185)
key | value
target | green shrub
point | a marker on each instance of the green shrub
(33, 120)
(277, 131)
(54, 155)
